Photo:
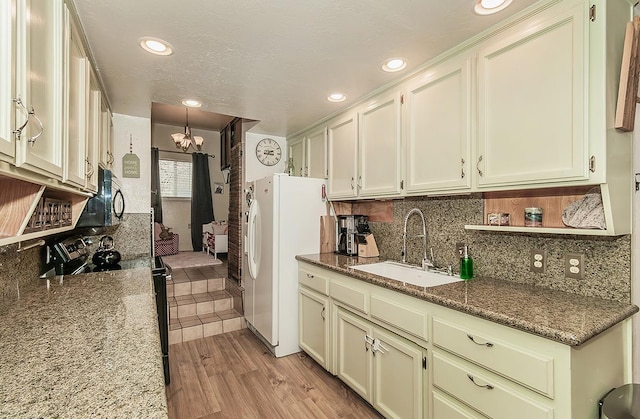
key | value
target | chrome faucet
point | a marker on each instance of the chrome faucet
(426, 263)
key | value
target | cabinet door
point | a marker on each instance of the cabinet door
(106, 138)
(342, 155)
(77, 106)
(354, 365)
(438, 128)
(532, 102)
(297, 152)
(316, 161)
(7, 70)
(39, 84)
(94, 127)
(399, 376)
(313, 325)
(379, 128)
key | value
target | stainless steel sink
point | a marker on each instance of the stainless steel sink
(408, 274)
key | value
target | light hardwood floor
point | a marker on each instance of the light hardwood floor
(233, 375)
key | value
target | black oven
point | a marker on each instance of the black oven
(160, 273)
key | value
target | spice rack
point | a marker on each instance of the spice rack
(552, 201)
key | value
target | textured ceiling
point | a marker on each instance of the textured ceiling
(272, 61)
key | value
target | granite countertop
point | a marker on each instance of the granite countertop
(88, 347)
(563, 317)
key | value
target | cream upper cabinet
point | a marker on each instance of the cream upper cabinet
(106, 138)
(8, 66)
(437, 118)
(533, 102)
(379, 146)
(342, 154)
(94, 127)
(39, 85)
(297, 154)
(316, 153)
(77, 165)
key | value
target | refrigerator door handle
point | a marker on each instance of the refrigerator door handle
(251, 255)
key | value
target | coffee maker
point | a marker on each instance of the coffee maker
(348, 227)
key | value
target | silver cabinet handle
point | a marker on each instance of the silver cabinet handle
(487, 386)
(462, 175)
(18, 132)
(478, 164)
(322, 313)
(352, 187)
(487, 344)
(310, 276)
(360, 182)
(89, 172)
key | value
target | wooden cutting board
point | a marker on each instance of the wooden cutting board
(327, 234)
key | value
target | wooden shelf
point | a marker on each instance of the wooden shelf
(19, 199)
(540, 230)
(552, 201)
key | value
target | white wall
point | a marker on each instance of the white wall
(253, 169)
(177, 212)
(135, 190)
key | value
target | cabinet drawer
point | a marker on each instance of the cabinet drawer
(484, 392)
(522, 365)
(445, 407)
(407, 319)
(351, 296)
(311, 279)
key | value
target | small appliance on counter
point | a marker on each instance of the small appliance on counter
(106, 257)
(69, 256)
(348, 230)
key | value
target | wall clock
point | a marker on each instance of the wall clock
(268, 152)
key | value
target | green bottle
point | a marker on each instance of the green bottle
(466, 265)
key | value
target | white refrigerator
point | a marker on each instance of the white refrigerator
(283, 221)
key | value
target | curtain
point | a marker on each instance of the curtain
(201, 199)
(156, 196)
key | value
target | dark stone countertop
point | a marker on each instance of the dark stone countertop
(560, 316)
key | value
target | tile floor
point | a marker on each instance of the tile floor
(199, 306)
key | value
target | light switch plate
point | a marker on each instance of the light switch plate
(574, 265)
(538, 261)
(460, 248)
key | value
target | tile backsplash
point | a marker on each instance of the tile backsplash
(607, 272)
(20, 271)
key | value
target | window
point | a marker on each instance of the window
(175, 179)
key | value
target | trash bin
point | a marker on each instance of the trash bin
(621, 403)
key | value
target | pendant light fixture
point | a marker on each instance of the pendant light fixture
(184, 141)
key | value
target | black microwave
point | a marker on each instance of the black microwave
(106, 208)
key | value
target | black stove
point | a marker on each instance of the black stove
(70, 256)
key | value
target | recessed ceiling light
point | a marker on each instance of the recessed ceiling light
(156, 46)
(487, 7)
(192, 103)
(394, 64)
(336, 97)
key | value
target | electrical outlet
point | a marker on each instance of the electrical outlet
(538, 261)
(574, 265)
(460, 248)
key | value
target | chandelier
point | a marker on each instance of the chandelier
(184, 141)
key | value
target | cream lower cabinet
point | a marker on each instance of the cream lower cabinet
(313, 310)
(380, 341)
(382, 367)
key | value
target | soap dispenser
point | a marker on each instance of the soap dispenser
(466, 265)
